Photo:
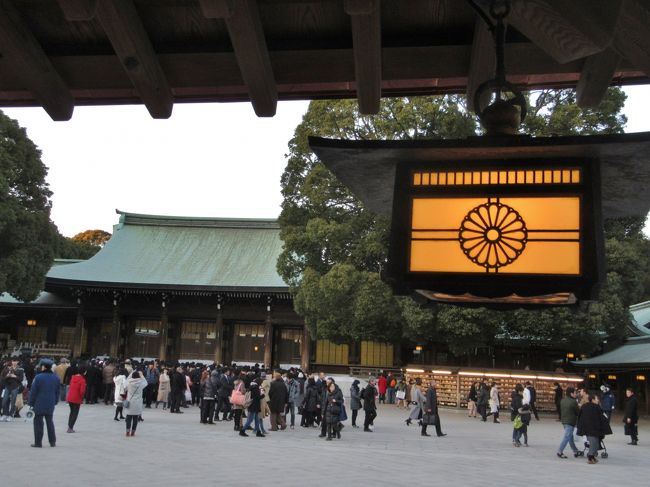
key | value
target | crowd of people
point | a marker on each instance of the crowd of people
(247, 395)
(222, 394)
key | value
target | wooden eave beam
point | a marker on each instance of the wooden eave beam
(595, 78)
(21, 50)
(481, 64)
(75, 10)
(632, 38)
(244, 26)
(365, 17)
(132, 45)
(567, 30)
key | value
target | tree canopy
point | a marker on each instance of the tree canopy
(97, 238)
(26, 232)
(334, 249)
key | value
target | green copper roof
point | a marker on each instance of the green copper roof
(641, 318)
(635, 352)
(201, 253)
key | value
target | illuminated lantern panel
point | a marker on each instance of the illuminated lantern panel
(514, 232)
(496, 234)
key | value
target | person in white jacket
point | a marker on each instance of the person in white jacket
(120, 391)
(494, 402)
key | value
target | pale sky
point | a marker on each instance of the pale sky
(206, 160)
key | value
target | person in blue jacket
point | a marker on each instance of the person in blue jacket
(43, 396)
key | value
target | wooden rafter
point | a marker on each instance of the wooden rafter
(22, 51)
(75, 10)
(482, 62)
(632, 38)
(132, 45)
(595, 78)
(567, 30)
(366, 40)
(247, 36)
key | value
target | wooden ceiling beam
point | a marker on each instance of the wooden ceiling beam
(75, 10)
(130, 41)
(21, 50)
(595, 78)
(302, 74)
(366, 40)
(632, 38)
(481, 64)
(247, 37)
(567, 30)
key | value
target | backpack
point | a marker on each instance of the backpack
(393, 383)
(517, 423)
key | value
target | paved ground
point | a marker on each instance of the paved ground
(175, 450)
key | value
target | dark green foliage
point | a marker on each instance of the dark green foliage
(26, 232)
(69, 248)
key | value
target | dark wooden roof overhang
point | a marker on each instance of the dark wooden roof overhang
(78, 287)
(61, 53)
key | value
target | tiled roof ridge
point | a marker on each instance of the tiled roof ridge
(193, 221)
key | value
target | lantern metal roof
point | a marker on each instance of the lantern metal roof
(367, 167)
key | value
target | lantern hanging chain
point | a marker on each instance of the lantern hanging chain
(499, 9)
(495, 21)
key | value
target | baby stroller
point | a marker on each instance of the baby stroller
(601, 446)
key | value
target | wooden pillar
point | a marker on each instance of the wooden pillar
(304, 352)
(116, 334)
(218, 335)
(164, 331)
(77, 347)
(268, 337)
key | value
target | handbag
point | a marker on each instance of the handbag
(400, 395)
(517, 423)
(237, 398)
(343, 414)
(428, 419)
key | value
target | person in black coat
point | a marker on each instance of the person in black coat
(333, 403)
(309, 404)
(177, 386)
(516, 402)
(278, 399)
(593, 424)
(226, 385)
(431, 410)
(631, 416)
(369, 405)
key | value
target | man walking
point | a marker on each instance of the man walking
(369, 405)
(43, 397)
(151, 375)
(109, 386)
(569, 416)
(431, 408)
(278, 398)
(532, 398)
(631, 417)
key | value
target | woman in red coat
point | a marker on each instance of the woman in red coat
(381, 388)
(76, 392)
